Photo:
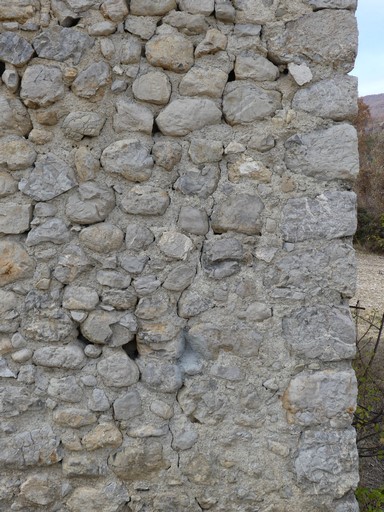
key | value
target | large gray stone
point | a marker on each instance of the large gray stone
(324, 37)
(92, 202)
(203, 81)
(115, 10)
(50, 178)
(138, 237)
(333, 4)
(180, 278)
(188, 24)
(132, 117)
(83, 124)
(80, 297)
(161, 375)
(130, 158)
(18, 10)
(65, 389)
(193, 220)
(255, 67)
(153, 87)
(103, 237)
(53, 230)
(170, 51)
(110, 498)
(116, 369)
(14, 218)
(71, 263)
(200, 182)
(70, 357)
(175, 245)
(186, 115)
(335, 98)
(240, 213)
(127, 406)
(48, 325)
(60, 44)
(92, 80)
(16, 153)
(151, 7)
(245, 102)
(145, 200)
(330, 215)
(15, 49)
(41, 86)
(324, 154)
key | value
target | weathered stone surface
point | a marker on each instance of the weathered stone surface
(333, 4)
(335, 98)
(65, 389)
(240, 213)
(113, 279)
(53, 230)
(193, 220)
(328, 460)
(99, 401)
(110, 498)
(324, 154)
(152, 8)
(50, 178)
(38, 490)
(15, 49)
(188, 24)
(132, 117)
(74, 418)
(9, 315)
(191, 304)
(203, 81)
(71, 357)
(117, 370)
(92, 80)
(163, 376)
(41, 86)
(87, 166)
(146, 285)
(92, 202)
(186, 115)
(103, 28)
(106, 434)
(15, 263)
(248, 168)
(321, 37)
(301, 73)
(323, 332)
(184, 434)
(153, 87)
(102, 237)
(138, 237)
(170, 51)
(137, 460)
(36, 447)
(82, 124)
(47, 325)
(330, 215)
(17, 10)
(120, 299)
(71, 263)
(246, 102)
(15, 218)
(145, 200)
(80, 297)
(179, 278)
(320, 398)
(127, 406)
(8, 185)
(203, 151)
(14, 117)
(255, 67)
(16, 153)
(204, 7)
(83, 464)
(175, 245)
(213, 42)
(200, 182)
(133, 264)
(60, 44)
(115, 10)
(82, 5)
(129, 158)
(166, 154)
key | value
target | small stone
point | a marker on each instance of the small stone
(102, 237)
(120, 299)
(127, 406)
(204, 7)
(74, 418)
(38, 490)
(161, 409)
(153, 87)
(203, 151)
(167, 154)
(146, 285)
(14, 218)
(50, 178)
(193, 220)
(203, 81)
(170, 51)
(8, 185)
(47, 117)
(87, 166)
(255, 67)
(129, 158)
(186, 115)
(151, 8)
(22, 356)
(145, 200)
(70, 357)
(161, 376)
(103, 28)
(15, 49)
(5, 372)
(15, 263)
(132, 117)
(92, 80)
(231, 373)
(118, 370)
(133, 264)
(82, 124)
(138, 237)
(53, 230)
(16, 153)
(41, 86)
(92, 202)
(258, 312)
(106, 434)
(14, 117)
(11, 80)
(262, 142)
(175, 245)
(113, 279)
(180, 278)
(109, 498)
(188, 24)
(240, 213)
(192, 304)
(130, 50)
(99, 401)
(65, 389)
(71, 263)
(115, 10)
(40, 136)
(246, 167)
(80, 297)
(224, 11)
(301, 73)
(60, 44)
(213, 42)
(142, 26)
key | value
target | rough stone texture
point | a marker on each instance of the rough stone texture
(176, 258)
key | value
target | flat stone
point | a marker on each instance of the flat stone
(53, 230)
(83, 465)
(152, 8)
(110, 498)
(132, 117)
(334, 4)
(47, 325)
(255, 67)
(133, 264)
(204, 7)
(92, 80)
(186, 23)
(74, 418)
(120, 299)
(15, 49)
(129, 158)
(127, 406)
(106, 434)
(203, 81)
(15, 218)
(60, 44)
(38, 490)
(240, 213)
(118, 370)
(170, 51)
(145, 200)
(8, 185)
(82, 124)
(227, 372)
(180, 278)
(50, 178)
(15, 263)
(92, 202)
(246, 102)
(113, 279)
(65, 389)
(70, 357)
(153, 87)
(193, 220)
(175, 245)
(161, 376)
(102, 237)
(41, 86)
(83, 5)
(115, 10)
(329, 215)
(200, 182)
(335, 98)
(103, 28)
(142, 26)
(146, 285)
(80, 297)
(301, 73)
(167, 154)
(225, 12)
(16, 153)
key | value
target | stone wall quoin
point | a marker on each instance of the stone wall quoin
(176, 258)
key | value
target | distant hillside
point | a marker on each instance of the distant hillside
(375, 103)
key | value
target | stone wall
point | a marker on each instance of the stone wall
(176, 260)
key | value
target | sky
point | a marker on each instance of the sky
(370, 60)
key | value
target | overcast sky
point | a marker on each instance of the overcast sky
(370, 60)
